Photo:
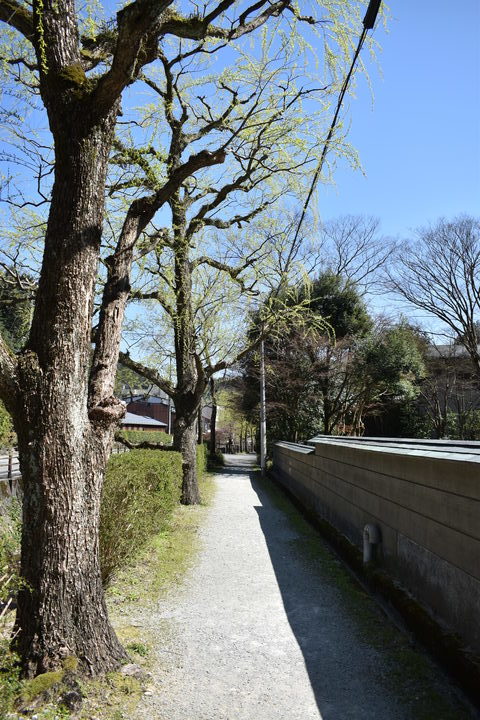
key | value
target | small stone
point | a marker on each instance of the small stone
(73, 700)
(132, 670)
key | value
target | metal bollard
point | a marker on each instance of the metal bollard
(371, 537)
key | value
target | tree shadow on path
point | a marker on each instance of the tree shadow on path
(350, 649)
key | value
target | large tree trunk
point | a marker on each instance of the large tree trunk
(62, 611)
(327, 413)
(185, 442)
(64, 445)
(191, 379)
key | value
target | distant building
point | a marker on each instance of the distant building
(451, 368)
(449, 351)
(159, 406)
(207, 418)
(133, 421)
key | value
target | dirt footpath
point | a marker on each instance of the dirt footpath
(269, 626)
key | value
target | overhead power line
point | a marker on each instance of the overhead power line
(368, 23)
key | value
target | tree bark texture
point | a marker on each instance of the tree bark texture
(327, 409)
(213, 430)
(191, 380)
(63, 446)
(185, 442)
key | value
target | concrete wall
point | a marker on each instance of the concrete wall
(425, 500)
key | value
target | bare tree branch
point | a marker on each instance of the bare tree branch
(143, 22)
(148, 373)
(117, 286)
(355, 250)
(200, 28)
(17, 16)
(440, 274)
(233, 272)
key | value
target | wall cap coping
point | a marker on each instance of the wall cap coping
(472, 446)
(303, 449)
(455, 454)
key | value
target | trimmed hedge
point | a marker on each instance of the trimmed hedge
(10, 534)
(153, 436)
(141, 488)
(7, 433)
(10, 582)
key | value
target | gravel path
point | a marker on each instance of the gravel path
(267, 628)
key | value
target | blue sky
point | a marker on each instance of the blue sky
(419, 141)
(419, 136)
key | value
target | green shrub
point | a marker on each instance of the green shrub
(10, 529)
(10, 682)
(464, 425)
(10, 533)
(140, 490)
(7, 433)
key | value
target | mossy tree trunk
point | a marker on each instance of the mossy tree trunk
(65, 441)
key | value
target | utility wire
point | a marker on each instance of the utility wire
(368, 23)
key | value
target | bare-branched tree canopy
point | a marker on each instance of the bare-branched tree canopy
(439, 273)
(355, 250)
(267, 144)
